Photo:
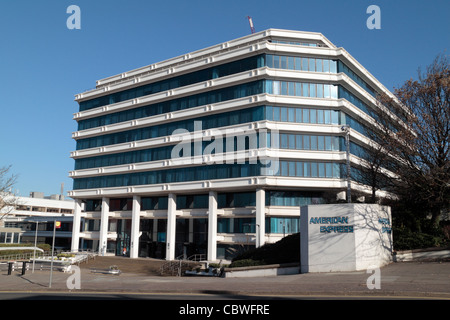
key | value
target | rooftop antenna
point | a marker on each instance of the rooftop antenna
(250, 21)
(62, 191)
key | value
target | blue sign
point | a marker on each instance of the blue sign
(332, 224)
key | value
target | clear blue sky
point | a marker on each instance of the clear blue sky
(43, 64)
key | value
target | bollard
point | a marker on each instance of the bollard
(10, 267)
(24, 267)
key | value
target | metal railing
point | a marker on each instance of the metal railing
(178, 266)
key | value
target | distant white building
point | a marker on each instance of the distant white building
(18, 223)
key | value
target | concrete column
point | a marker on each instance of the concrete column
(104, 227)
(155, 230)
(171, 223)
(135, 223)
(260, 217)
(212, 226)
(191, 230)
(76, 226)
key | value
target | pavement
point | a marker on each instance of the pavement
(398, 280)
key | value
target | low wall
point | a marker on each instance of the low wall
(263, 271)
(430, 254)
(344, 237)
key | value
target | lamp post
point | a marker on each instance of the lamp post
(284, 230)
(346, 129)
(53, 249)
(35, 244)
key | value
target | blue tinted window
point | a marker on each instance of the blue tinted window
(276, 62)
(284, 114)
(305, 90)
(313, 142)
(304, 64)
(291, 141)
(313, 116)
(321, 143)
(312, 64)
(291, 114)
(306, 142)
(284, 168)
(314, 172)
(269, 60)
(326, 65)
(298, 63)
(312, 90)
(328, 143)
(183, 80)
(284, 141)
(333, 66)
(291, 168)
(329, 170)
(299, 142)
(321, 166)
(306, 116)
(319, 65)
(283, 62)
(320, 90)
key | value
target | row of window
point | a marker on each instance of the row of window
(302, 89)
(275, 87)
(303, 115)
(309, 169)
(281, 225)
(310, 142)
(222, 171)
(292, 88)
(301, 63)
(212, 121)
(211, 172)
(293, 198)
(219, 95)
(222, 120)
(316, 65)
(298, 43)
(224, 200)
(191, 125)
(342, 67)
(176, 82)
(286, 141)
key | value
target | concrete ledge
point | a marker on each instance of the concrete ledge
(263, 270)
(429, 254)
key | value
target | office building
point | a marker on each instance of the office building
(216, 150)
(18, 222)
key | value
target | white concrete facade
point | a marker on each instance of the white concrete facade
(102, 227)
(345, 237)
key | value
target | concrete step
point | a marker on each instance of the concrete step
(147, 266)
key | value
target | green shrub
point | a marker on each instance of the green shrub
(405, 239)
(246, 263)
(284, 251)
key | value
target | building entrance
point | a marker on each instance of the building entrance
(123, 237)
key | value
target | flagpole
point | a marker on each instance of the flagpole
(53, 248)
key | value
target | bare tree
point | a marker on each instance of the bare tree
(421, 139)
(375, 168)
(8, 200)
